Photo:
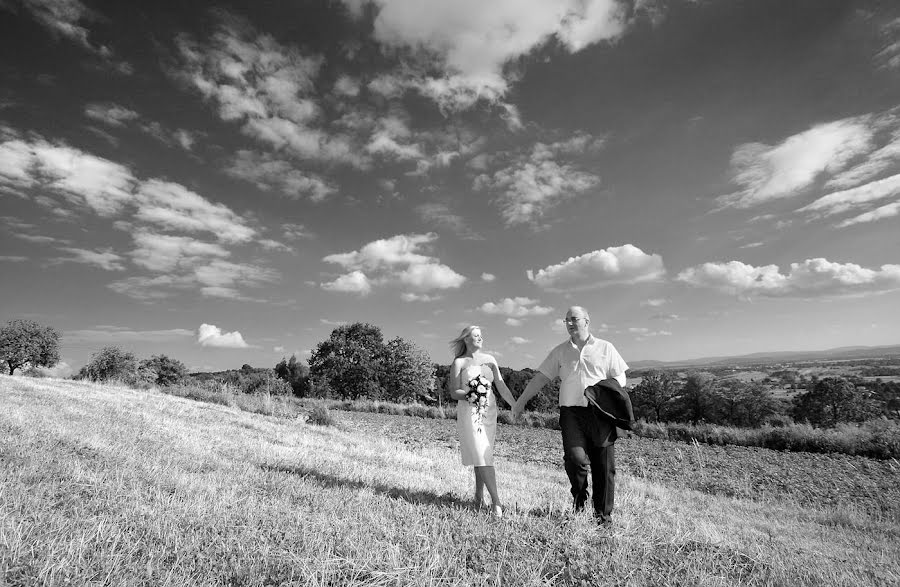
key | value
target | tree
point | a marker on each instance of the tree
(653, 395)
(112, 363)
(833, 400)
(348, 361)
(698, 401)
(296, 374)
(405, 372)
(25, 342)
(167, 370)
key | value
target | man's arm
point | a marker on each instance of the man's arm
(536, 384)
(621, 378)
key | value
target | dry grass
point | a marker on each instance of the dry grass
(109, 486)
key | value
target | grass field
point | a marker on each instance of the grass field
(111, 486)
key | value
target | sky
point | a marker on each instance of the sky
(227, 182)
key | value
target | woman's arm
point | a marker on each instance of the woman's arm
(455, 388)
(505, 393)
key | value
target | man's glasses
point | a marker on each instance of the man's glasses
(571, 320)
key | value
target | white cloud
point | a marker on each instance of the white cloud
(172, 206)
(519, 340)
(110, 113)
(105, 258)
(396, 259)
(766, 172)
(440, 215)
(66, 18)
(513, 322)
(889, 56)
(411, 297)
(293, 231)
(164, 253)
(218, 278)
(518, 307)
(151, 288)
(465, 44)
(839, 202)
(626, 264)
(813, 278)
(212, 336)
(489, 277)
(532, 185)
(353, 282)
(886, 211)
(268, 173)
(654, 302)
(277, 349)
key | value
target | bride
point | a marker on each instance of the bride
(476, 415)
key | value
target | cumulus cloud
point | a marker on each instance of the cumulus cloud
(625, 264)
(489, 277)
(212, 336)
(813, 278)
(518, 307)
(270, 173)
(399, 259)
(465, 45)
(533, 184)
(768, 172)
(519, 340)
(353, 282)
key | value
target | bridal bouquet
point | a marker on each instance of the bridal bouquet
(479, 388)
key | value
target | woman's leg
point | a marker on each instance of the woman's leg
(479, 488)
(490, 481)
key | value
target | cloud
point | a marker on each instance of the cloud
(293, 231)
(813, 278)
(398, 259)
(440, 215)
(212, 336)
(666, 317)
(889, 56)
(875, 163)
(519, 340)
(353, 282)
(655, 302)
(110, 113)
(488, 277)
(643, 333)
(518, 307)
(513, 322)
(626, 264)
(218, 278)
(118, 334)
(105, 258)
(843, 201)
(766, 172)
(267, 87)
(146, 289)
(13, 258)
(277, 349)
(465, 45)
(64, 18)
(412, 297)
(886, 211)
(165, 253)
(82, 179)
(172, 206)
(269, 173)
(535, 183)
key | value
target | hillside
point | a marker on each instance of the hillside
(106, 485)
(841, 353)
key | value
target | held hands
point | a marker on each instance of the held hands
(517, 410)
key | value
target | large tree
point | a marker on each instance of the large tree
(167, 370)
(25, 342)
(833, 400)
(405, 372)
(295, 373)
(348, 361)
(652, 397)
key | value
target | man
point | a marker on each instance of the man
(579, 362)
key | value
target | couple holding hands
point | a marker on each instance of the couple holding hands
(591, 403)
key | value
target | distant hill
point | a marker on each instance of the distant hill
(836, 354)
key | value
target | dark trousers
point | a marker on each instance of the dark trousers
(588, 448)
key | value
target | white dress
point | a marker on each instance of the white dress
(476, 437)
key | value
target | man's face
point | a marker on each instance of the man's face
(576, 324)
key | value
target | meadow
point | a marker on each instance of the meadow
(105, 485)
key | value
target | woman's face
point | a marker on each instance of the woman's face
(474, 339)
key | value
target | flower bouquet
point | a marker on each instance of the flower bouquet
(479, 388)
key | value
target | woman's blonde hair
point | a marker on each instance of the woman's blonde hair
(458, 344)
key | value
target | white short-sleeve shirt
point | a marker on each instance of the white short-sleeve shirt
(596, 361)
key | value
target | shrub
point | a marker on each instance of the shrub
(166, 370)
(320, 416)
